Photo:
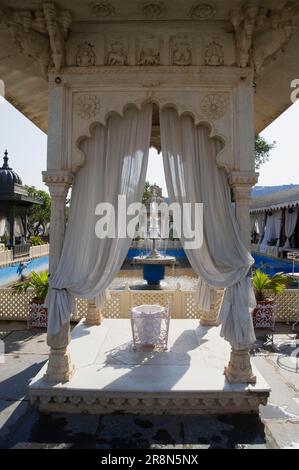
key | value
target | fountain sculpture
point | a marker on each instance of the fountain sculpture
(154, 264)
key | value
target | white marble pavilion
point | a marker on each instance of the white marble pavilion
(71, 67)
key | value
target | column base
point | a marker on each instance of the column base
(209, 318)
(239, 369)
(60, 367)
(93, 316)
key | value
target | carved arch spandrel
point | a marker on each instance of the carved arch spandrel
(82, 127)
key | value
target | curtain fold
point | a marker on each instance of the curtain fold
(261, 225)
(116, 163)
(277, 226)
(272, 230)
(290, 225)
(192, 176)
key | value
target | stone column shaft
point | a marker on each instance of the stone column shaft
(239, 368)
(60, 368)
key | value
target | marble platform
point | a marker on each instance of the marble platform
(111, 377)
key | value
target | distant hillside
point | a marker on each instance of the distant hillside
(263, 190)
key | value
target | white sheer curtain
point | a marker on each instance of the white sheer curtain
(252, 222)
(290, 225)
(269, 231)
(261, 225)
(18, 228)
(272, 231)
(116, 163)
(192, 175)
(4, 226)
(277, 226)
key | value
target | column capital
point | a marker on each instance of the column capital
(58, 182)
(52, 177)
(242, 182)
(243, 178)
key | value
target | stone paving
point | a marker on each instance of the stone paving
(23, 426)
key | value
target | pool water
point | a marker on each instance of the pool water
(272, 266)
(10, 274)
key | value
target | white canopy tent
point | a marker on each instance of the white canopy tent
(279, 210)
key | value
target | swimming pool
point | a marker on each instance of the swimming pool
(9, 274)
(272, 266)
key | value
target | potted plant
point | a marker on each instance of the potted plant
(38, 313)
(263, 314)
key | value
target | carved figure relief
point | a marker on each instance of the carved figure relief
(149, 56)
(214, 54)
(244, 22)
(117, 54)
(260, 34)
(181, 52)
(272, 37)
(148, 52)
(85, 55)
(39, 35)
(87, 106)
(214, 105)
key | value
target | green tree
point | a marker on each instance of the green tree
(148, 192)
(262, 151)
(39, 215)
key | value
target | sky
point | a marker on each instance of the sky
(27, 149)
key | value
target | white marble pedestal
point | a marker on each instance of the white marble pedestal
(110, 376)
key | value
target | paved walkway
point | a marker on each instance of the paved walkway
(22, 426)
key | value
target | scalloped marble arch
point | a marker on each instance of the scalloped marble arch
(221, 157)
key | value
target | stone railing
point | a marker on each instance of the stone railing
(39, 250)
(6, 257)
(15, 307)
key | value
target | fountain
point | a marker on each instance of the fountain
(154, 263)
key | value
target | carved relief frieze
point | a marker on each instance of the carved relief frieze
(214, 54)
(117, 51)
(204, 403)
(181, 50)
(85, 55)
(134, 47)
(148, 50)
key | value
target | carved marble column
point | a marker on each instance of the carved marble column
(60, 368)
(58, 183)
(239, 368)
(242, 184)
(93, 316)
